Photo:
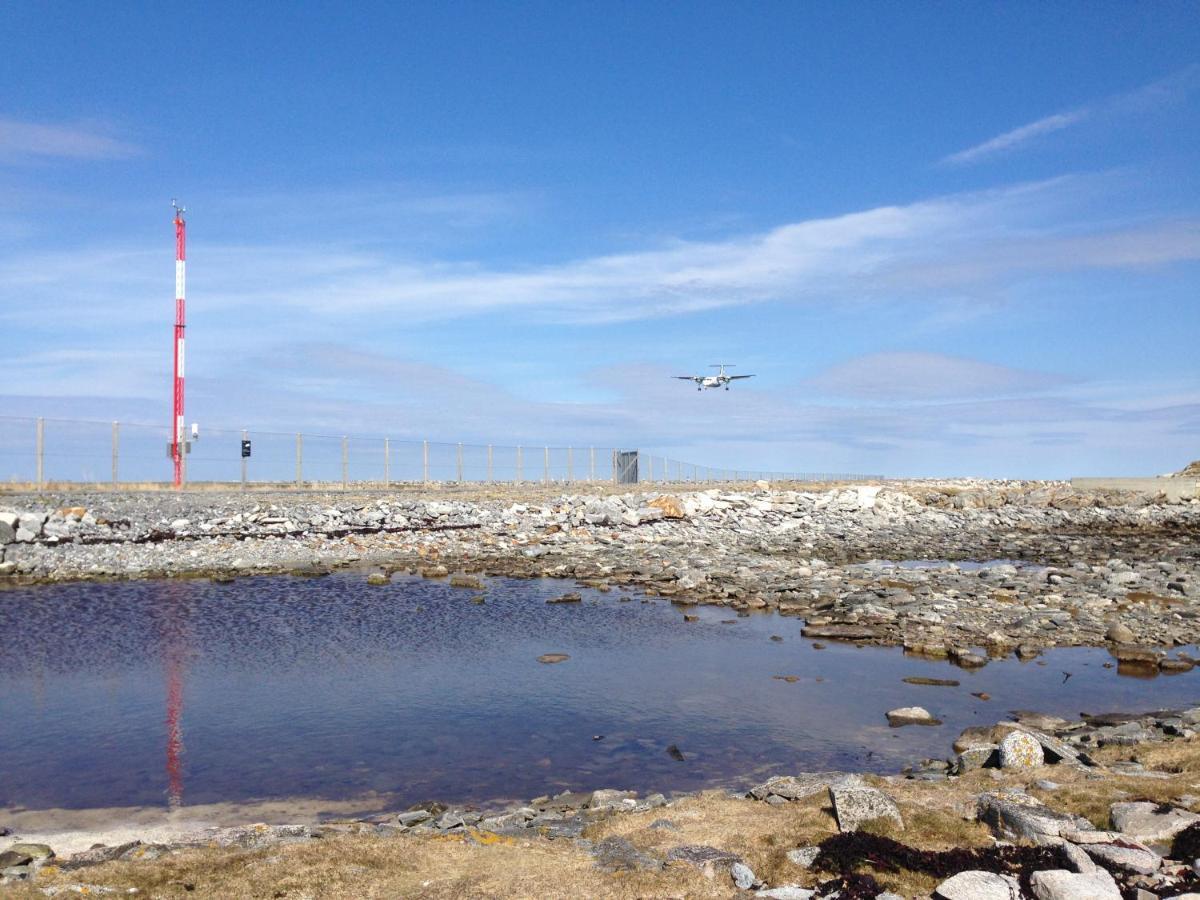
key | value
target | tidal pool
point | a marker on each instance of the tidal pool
(190, 692)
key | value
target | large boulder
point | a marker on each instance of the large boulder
(1019, 750)
(855, 803)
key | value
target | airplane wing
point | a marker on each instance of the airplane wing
(688, 377)
(736, 377)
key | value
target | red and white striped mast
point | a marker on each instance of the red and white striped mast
(177, 441)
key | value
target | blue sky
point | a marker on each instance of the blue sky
(947, 238)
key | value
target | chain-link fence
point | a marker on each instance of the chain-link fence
(41, 453)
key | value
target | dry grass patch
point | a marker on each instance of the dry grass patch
(938, 816)
(349, 868)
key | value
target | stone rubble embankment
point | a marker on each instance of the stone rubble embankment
(1000, 567)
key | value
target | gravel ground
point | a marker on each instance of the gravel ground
(1061, 567)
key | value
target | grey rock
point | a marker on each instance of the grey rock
(855, 803)
(700, 855)
(791, 892)
(911, 715)
(1120, 633)
(1141, 861)
(1143, 822)
(975, 885)
(1059, 884)
(1019, 750)
(615, 854)
(1021, 817)
(795, 787)
(414, 817)
(976, 758)
(803, 856)
(450, 820)
(97, 855)
(742, 875)
(9, 858)
(37, 852)
(1077, 859)
(603, 799)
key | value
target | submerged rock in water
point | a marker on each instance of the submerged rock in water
(911, 715)
(550, 658)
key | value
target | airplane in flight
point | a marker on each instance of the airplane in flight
(721, 379)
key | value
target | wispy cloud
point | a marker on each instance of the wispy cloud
(1018, 136)
(923, 377)
(930, 253)
(81, 140)
(1156, 93)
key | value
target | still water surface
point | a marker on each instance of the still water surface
(188, 692)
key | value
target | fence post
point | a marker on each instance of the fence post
(489, 464)
(41, 451)
(614, 465)
(116, 447)
(460, 461)
(299, 459)
(570, 467)
(592, 468)
(650, 467)
(519, 462)
(345, 461)
(425, 461)
(387, 464)
(546, 467)
(244, 436)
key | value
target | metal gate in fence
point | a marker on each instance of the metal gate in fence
(625, 466)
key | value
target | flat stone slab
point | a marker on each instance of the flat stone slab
(841, 632)
(1021, 817)
(1143, 822)
(1059, 884)
(976, 885)
(702, 857)
(795, 787)
(614, 854)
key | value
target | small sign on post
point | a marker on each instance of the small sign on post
(245, 449)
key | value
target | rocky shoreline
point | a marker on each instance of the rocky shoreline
(1017, 783)
(967, 569)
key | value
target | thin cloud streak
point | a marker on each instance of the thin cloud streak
(1165, 90)
(1018, 136)
(24, 140)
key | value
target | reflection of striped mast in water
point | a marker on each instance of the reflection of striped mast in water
(174, 730)
(173, 634)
